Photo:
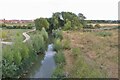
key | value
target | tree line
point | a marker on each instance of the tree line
(62, 20)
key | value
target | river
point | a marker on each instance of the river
(43, 68)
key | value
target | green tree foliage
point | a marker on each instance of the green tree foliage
(81, 16)
(56, 21)
(75, 20)
(64, 20)
(57, 34)
(40, 23)
(67, 25)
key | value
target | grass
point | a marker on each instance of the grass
(104, 34)
(60, 62)
(59, 58)
(92, 56)
(10, 34)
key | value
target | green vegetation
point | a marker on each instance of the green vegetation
(62, 20)
(66, 43)
(82, 69)
(104, 34)
(18, 58)
(76, 52)
(80, 52)
(59, 58)
(12, 34)
(16, 26)
(60, 61)
(57, 45)
(40, 23)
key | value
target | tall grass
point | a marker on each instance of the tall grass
(60, 61)
(82, 69)
(104, 34)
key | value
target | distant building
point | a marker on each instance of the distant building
(15, 21)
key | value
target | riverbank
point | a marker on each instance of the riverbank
(92, 54)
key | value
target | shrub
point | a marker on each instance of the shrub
(45, 34)
(57, 34)
(59, 58)
(89, 26)
(8, 69)
(17, 58)
(57, 45)
(24, 52)
(76, 51)
(8, 54)
(38, 43)
(104, 34)
(58, 72)
(66, 43)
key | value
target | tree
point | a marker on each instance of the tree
(56, 19)
(67, 25)
(81, 16)
(40, 23)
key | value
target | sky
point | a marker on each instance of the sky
(32, 9)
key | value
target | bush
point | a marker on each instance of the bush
(89, 26)
(76, 51)
(19, 56)
(59, 58)
(45, 34)
(8, 69)
(57, 34)
(104, 34)
(58, 72)
(24, 52)
(57, 45)
(60, 61)
(8, 54)
(66, 43)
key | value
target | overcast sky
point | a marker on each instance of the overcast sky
(31, 9)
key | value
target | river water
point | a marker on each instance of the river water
(44, 68)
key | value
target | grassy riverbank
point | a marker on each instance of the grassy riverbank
(92, 54)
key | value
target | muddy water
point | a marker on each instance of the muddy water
(44, 68)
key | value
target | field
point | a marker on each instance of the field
(92, 54)
(11, 34)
